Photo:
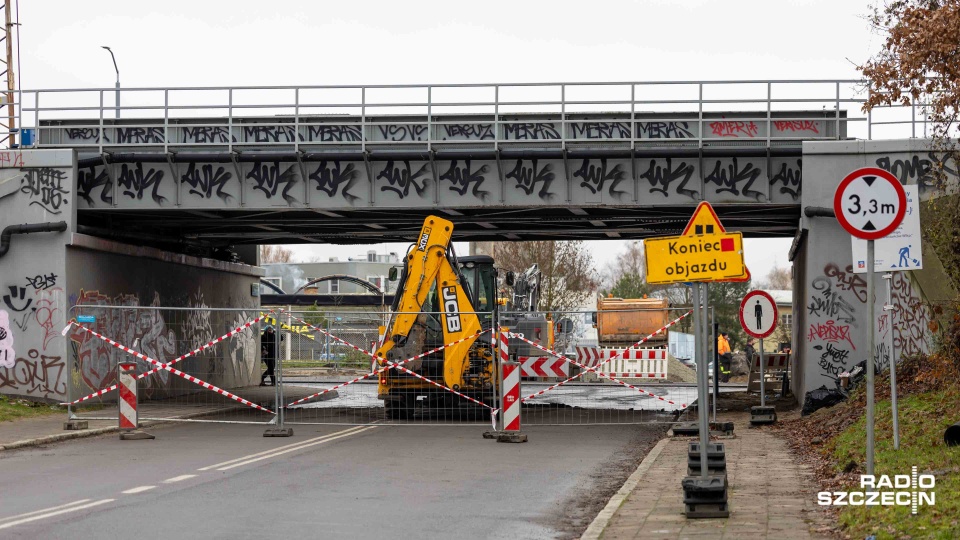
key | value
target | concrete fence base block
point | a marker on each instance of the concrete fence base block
(135, 435)
(686, 429)
(762, 415)
(75, 425)
(490, 434)
(511, 437)
(278, 432)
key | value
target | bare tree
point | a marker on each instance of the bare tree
(275, 254)
(919, 64)
(920, 60)
(626, 278)
(778, 278)
(568, 273)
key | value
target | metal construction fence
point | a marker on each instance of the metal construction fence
(214, 365)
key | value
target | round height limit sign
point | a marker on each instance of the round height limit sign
(870, 203)
(758, 314)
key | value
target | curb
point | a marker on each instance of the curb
(82, 434)
(600, 522)
(57, 438)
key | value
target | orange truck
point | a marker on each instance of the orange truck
(621, 322)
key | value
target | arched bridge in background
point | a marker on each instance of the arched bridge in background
(210, 168)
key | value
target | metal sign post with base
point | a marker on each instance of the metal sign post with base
(705, 252)
(870, 203)
(758, 317)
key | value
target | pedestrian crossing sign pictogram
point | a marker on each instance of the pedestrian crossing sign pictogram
(758, 314)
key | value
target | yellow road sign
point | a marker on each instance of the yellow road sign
(708, 257)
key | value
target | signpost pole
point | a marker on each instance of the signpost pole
(893, 361)
(763, 387)
(702, 367)
(871, 351)
(716, 361)
(705, 338)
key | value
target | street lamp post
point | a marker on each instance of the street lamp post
(118, 78)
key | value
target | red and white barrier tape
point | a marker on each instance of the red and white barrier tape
(203, 347)
(588, 369)
(373, 356)
(176, 372)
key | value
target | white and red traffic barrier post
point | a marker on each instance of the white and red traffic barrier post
(129, 425)
(509, 395)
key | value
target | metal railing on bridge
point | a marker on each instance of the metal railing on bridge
(461, 116)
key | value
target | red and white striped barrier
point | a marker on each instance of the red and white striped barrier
(542, 366)
(128, 396)
(203, 347)
(176, 372)
(389, 365)
(593, 369)
(511, 396)
(588, 356)
(637, 363)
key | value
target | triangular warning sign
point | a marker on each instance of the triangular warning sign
(703, 221)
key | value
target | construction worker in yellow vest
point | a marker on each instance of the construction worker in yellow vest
(726, 356)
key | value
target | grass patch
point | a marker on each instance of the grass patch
(923, 419)
(12, 409)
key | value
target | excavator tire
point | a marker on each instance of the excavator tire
(400, 408)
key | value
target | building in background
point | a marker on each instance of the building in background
(780, 339)
(373, 268)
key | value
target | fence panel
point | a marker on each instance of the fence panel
(212, 365)
(193, 364)
(331, 365)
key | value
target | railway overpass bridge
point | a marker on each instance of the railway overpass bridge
(166, 196)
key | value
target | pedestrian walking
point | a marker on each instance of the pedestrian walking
(268, 352)
(750, 352)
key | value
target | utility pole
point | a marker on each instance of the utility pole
(11, 120)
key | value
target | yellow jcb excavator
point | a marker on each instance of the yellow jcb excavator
(441, 299)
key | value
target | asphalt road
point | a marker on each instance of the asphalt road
(227, 481)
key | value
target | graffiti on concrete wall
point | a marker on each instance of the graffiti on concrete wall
(143, 330)
(597, 177)
(837, 296)
(529, 177)
(37, 374)
(911, 318)
(332, 184)
(787, 178)
(335, 178)
(920, 169)
(401, 177)
(463, 178)
(8, 355)
(668, 176)
(207, 180)
(47, 188)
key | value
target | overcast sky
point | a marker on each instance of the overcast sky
(246, 42)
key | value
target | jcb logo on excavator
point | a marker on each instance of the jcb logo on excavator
(422, 246)
(451, 308)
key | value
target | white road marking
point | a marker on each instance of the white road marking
(272, 450)
(51, 512)
(136, 490)
(302, 446)
(81, 501)
(179, 478)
